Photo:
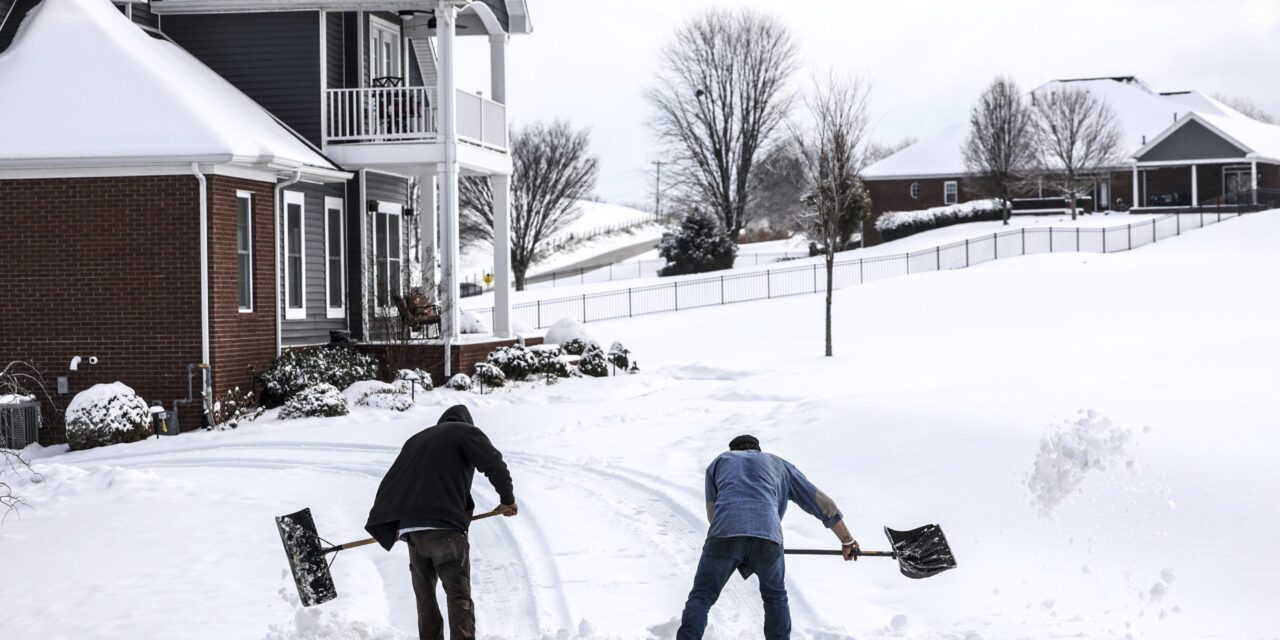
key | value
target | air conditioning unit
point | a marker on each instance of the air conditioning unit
(19, 422)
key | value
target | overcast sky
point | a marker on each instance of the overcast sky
(588, 61)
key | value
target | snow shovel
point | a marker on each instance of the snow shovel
(921, 552)
(306, 551)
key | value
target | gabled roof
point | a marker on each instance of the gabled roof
(1141, 113)
(1257, 139)
(83, 86)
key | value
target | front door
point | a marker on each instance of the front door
(384, 54)
(1234, 181)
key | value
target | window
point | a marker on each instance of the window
(387, 252)
(384, 49)
(915, 190)
(244, 249)
(950, 192)
(295, 261)
(335, 274)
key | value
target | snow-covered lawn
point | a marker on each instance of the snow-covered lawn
(954, 397)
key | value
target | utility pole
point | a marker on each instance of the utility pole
(657, 189)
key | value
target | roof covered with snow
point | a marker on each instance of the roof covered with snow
(83, 86)
(1142, 114)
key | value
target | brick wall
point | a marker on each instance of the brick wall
(109, 267)
(430, 357)
(895, 195)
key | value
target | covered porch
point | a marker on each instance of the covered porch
(1206, 160)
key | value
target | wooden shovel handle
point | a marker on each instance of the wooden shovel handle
(361, 543)
(829, 552)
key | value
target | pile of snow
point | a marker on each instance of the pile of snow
(938, 216)
(471, 323)
(567, 329)
(107, 414)
(13, 398)
(1089, 444)
(378, 395)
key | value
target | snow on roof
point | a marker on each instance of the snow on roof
(1141, 114)
(1260, 138)
(83, 86)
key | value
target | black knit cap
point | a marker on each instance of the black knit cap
(744, 443)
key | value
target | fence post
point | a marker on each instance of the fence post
(860, 277)
(937, 258)
(1178, 218)
(1104, 239)
(539, 314)
(584, 307)
(966, 249)
(677, 296)
(768, 283)
(629, 311)
(1077, 238)
(1129, 234)
(721, 290)
(995, 246)
(1050, 239)
(815, 277)
(1024, 241)
(1153, 229)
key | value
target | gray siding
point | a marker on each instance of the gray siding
(272, 57)
(315, 329)
(143, 16)
(1192, 141)
(336, 49)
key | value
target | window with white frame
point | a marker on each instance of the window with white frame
(915, 190)
(244, 249)
(387, 252)
(384, 49)
(295, 259)
(335, 273)
(950, 192)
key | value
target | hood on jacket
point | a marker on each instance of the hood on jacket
(456, 413)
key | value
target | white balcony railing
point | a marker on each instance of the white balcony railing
(391, 114)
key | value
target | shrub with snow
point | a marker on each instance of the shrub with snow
(593, 362)
(471, 323)
(459, 382)
(106, 414)
(322, 400)
(516, 362)
(576, 347)
(488, 377)
(235, 408)
(619, 356)
(699, 245)
(550, 366)
(567, 330)
(298, 369)
(378, 395)
(900, 224)
(405, 378)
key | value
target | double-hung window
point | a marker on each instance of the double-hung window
(384, 49)
(244, 250)
(950, 192)
(387, 251)
(295, 259)
(335, 273)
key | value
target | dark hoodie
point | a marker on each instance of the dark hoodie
(429, 484)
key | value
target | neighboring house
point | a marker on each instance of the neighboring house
(1164, 135)
(311, 136)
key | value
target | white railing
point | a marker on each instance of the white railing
(381, 113)
(385, 114)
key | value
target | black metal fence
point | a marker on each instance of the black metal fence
(811, 278)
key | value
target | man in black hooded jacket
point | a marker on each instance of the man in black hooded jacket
(425, 500)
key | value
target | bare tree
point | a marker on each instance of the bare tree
(832, 152)
(1247, 107)
(553, 170)
(1000, 149)
(720, 96)
(777, 187)
(1077, 137)
(877, 151)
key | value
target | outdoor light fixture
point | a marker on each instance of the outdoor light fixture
(372, 205)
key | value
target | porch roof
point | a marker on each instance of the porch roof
(1256, 140)
(84, 86)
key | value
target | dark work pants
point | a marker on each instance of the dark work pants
(444, 557)
(720, 558)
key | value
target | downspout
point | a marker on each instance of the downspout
(297, 176)
(205, 355)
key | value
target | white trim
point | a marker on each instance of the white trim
(1182, 122)
(37, 169)
(298, 198)
(954, 187)
(338, 312)
(396, 209)
(324, 77)
(247, 195)
(375, 24)
(1156, 164)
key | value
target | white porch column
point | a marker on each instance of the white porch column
(1253, 181)
(446, 22)
(1135, 188)
(502, 256)
(498, 67)
(428, 213)
(1195, 186)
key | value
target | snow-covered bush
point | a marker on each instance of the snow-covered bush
(378, 395)
(459, 382)
(322, 400)
(576, 347)
(567, 330)
(407, 378)
(516, 362)
(900, 224)
(488, 377)
(106, 414)
(700, 244)
(619, 356)
(550, 366)
(593, 362)
(235, 408)
(471, 323)
(298, 369)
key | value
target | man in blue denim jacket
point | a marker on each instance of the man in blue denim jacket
(747, 494)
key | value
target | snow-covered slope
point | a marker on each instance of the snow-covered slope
(954, 397)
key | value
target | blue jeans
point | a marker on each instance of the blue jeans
(720, 557)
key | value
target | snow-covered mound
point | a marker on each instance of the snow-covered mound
(937, 407)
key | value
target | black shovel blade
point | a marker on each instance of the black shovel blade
(922, 552)
(305, 551)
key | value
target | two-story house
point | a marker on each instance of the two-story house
(213, 181)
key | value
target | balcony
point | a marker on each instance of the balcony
(409, 114)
